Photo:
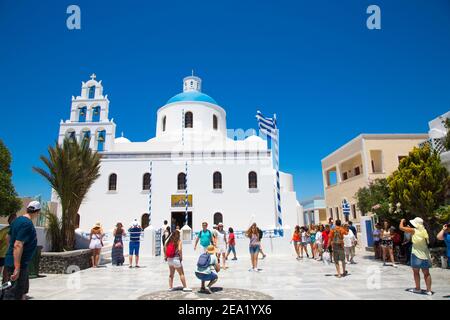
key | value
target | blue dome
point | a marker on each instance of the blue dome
(191, 96)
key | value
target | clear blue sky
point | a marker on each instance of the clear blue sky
(314, 63)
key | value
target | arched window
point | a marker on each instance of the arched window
(82, 114)
(215, 124)
(96, 114)
(164, 124)
(112, 182)
(85, 136)
(145, 220)
(217, 180)
(101, 137)
(252, 180)
(181, 181)
(146, 181)
(218, 218)
(188, 120)
(71, 135)
(91, 94)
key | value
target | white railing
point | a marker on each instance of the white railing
(436, 144)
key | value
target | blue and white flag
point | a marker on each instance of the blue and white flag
(345, 207)
(267, 126)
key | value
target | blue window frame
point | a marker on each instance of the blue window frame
(86, 136)
(101, 140)
(91, 92)
(82, 114)
(96, 114)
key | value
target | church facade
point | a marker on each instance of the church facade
(192, 157)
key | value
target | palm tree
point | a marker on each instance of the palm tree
(72, 169)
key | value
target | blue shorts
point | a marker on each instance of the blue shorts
(417, 263)
(134, 248)
(254, 249)
(206, 277)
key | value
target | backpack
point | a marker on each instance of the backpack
(338, 240)
(204, 261)
(170, 250)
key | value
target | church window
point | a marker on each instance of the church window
(181, 181)
(91, 92)
(218, 218)
(112, 183)
(146, 181)
(96, 114)
(101, 140)
(217, 180)
(188, 120)
(252, 180)
(82, 114)
(164, 123)
(215, 124)
(71, 136)
(145, 220)
(85, 136)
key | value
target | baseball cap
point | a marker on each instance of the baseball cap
(34, 206)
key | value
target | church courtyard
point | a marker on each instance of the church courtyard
(282, 277)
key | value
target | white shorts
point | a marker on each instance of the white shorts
(174, 262)
(221, 249)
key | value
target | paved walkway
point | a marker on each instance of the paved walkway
(282, 277)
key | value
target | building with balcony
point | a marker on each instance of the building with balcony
(313, 211)
(354, 165)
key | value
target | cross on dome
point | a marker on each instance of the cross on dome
(93, 76)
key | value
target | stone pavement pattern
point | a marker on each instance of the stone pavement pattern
(282, 277)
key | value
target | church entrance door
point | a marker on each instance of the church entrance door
(178, 219)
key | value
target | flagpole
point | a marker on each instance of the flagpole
(276, 155)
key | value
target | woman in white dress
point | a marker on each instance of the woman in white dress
(96, 243)
(221, 244)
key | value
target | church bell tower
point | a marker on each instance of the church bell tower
(89, 118)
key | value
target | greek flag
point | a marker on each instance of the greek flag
(345, 207)
(267, 126)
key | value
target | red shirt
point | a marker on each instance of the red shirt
(231, 240)
(325, 238)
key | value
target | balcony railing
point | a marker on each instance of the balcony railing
(436, 144)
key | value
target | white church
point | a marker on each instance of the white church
(192, 156)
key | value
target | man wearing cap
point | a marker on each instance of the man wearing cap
(22, 245)
(420, 254)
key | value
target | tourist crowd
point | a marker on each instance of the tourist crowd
(333, 242)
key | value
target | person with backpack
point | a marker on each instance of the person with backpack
(336, 242)
(205, 237)
(207, 269)
(173, 254)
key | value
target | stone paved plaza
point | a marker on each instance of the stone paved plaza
(282, 277)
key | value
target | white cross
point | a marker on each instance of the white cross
(93, 76)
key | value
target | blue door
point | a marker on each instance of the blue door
(369, 233)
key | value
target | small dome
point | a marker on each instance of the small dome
(254, 138)
(191, 96)
(121, 140)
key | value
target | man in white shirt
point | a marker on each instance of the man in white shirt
(349, 245)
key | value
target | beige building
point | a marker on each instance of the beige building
(365, 158)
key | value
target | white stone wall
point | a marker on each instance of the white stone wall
(239, 205)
